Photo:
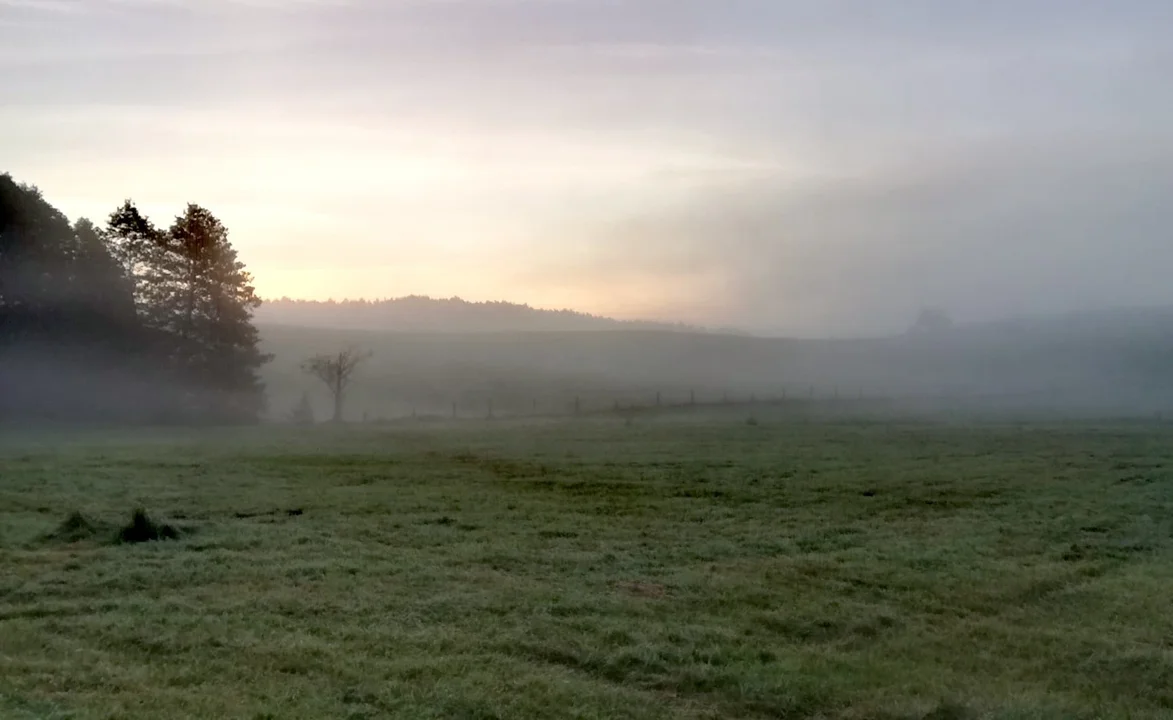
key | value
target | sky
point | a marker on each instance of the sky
(811, 167)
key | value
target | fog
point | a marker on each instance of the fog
(727, 198)
(63, 385)
(1109, 364)
(996, 232)
(786, 167)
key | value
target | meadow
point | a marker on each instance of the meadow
(676, 566)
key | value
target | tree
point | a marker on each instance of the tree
(37, 252)
(101, 283)
(303, 412)
(205, 300)
(69, 334)
(137, 245)
(931, 321)
(126, 322)
(336, 371)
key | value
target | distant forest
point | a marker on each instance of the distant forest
(453, 315)
(127, 321)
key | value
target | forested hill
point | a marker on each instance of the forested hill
(453, 315)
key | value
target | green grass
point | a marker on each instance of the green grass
(703, 568)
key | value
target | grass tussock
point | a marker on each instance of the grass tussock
(143, 529)
(75, 529)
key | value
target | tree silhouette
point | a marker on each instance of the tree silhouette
(102, 290)
(203, 299)
(931, 321)
(138, 246)
(336, 371)
(125, 322)
(303, 412)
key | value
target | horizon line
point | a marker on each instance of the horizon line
(523, 305)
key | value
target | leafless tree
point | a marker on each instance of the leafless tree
(336, 370)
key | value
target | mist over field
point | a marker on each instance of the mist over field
(1114, 362)
(624, 359)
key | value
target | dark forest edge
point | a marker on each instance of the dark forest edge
(127, 322)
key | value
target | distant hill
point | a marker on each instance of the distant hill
(453, 315)
(1118, 361)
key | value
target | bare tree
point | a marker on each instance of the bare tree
(336, 370)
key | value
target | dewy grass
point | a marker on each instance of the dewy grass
(677, 568)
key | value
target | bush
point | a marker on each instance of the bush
(75, 528)
(143, 529)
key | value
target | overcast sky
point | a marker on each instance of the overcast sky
(800, 166)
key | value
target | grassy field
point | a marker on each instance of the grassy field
(695, 568)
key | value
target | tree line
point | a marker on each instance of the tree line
(422, 313)
(127, 321)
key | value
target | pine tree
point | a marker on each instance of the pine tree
(207, 302)
(138, 246)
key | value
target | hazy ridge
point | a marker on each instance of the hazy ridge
(1113, 361)
(418, 313)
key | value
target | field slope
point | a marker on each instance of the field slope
(696, 568)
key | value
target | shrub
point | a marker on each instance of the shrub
(75, 528)
(143, 529)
